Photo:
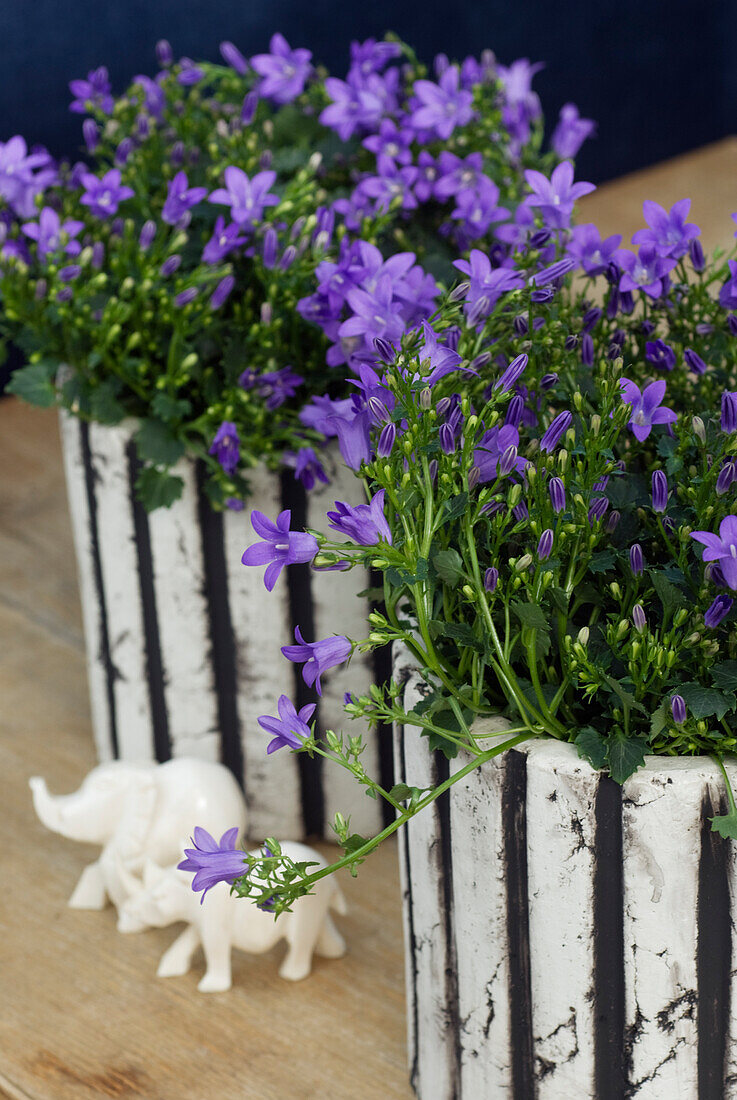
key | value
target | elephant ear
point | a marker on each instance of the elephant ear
(137, 818)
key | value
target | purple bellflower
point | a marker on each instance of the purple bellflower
(366, 524)
(592, 253)
(728, 292)
(224, 240)
(307, 467)
(644, 271)
(646, 410)
(555, 197)
(718, 610)
(284, 71)
(485, 284)
(492, 448)
(180, 198)
(103, 196)
(51, 234)
(213, 862)
(721, 548)
(290, 729)
(571, 132)
(279, 547)
(729, 412)
(226, 446)
(443, 106)
(246, 197)
(93, 92)
(317, 657)
(668, 233)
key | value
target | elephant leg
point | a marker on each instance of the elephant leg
(178, 958)
(90, 892)
(217, 977)
(330, 944)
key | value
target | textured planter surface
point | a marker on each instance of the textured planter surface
(183, 642)
(565, 937)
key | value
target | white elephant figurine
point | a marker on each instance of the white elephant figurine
(138, 811)
(224, 921)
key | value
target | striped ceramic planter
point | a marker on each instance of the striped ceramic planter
(183, 641)
(568, 939)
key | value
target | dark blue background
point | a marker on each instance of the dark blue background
(658, 75)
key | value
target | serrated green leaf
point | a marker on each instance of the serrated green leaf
(455, 506)
(400, 792)
(531, 615)
(624, 756)
(724, 675)
(170, 408)
(591, 746)
(602, 562)
(669, 596)
(157, 488)
(104, 405)
(660, 718)
(34, 384)
(725, 825)
(448, 566)
(459, 632)
(156, 443)
(705, 702)
(625, 696)
(559, 599)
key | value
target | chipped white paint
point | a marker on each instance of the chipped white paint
(261, 624)
(70, 428)
(179, 578)
(327, 588)
(561, 792)
(119, 562)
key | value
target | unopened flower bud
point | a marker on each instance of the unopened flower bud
(678, 709)
(638, 617)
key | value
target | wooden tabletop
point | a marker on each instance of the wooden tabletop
(83, 1013)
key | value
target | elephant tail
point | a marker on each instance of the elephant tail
(338, 903)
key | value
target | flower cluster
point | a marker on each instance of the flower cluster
(237, 231)
(551, 468)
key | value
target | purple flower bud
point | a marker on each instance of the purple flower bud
(627, 301)
(612, 305)
(521, 512)
(91, 134)
(432, 469)
(386, 440)
(600, 485)
(694, 361)
(459, 292)
(232, 56)
(67, 274)
(474, 476)
(520, 325)
(721, 606)
(491, 577)
(248, 110)
(659, 484)
(478, 311)
(170, 265)
(637, 562)
(727, 475)
(557, 491)
(271, 241)
(447, 439)
(587, 349)
(515, 409)
(598, 508)
(65, 294)
(545, 545)
(696, 254)
(288, 257)
(545, 295)
(511, 374)
(638, 618)
(507, 461)
(548, 381)
(612, 521)
(571, 342)
(647, 327)
(441, 64)
(176, 156)
(116, 227)
(185, 296)
(143, 126)
(539, 238)
(704, 328)
(678, 709)
(221, 291)
(732, 324)
(729, 412)
(164, 54)
(482, 360)
(147, 234)
(384, 350)
(591, 318)
(266, 313)
(555, 432)
(123, 151)
(41, 290)
(98, 255)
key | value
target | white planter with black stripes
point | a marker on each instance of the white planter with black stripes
(183, 641)
(568, 939)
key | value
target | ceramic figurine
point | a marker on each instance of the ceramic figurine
(138, 811)
(224, 921)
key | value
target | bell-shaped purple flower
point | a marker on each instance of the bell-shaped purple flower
(721, 548)
(718, 610)
(317, 657)
(290, 729)
(366, 524)
(727, 476)
(645, 407)
(729, 412)
(280, 546)
(226, 446)
(213, 862)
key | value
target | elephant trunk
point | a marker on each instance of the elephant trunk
(64, 814)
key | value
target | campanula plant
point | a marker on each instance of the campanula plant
(221, 210)
(551, 506)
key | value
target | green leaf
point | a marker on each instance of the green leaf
(400, 792)
(34, 384)
(724, 675)
(559, 598)
(703, 702)
(459, 632)
(669, 596)
(353, 843)
(625, 696)
(448, 566)
(455, 506)
(156, 443)
(591, 746)
(157, 488)
(725, 825)
(530, 614)
(660, 718)
(170, 408)
(624, 756)
(104, 405)
(602, 562)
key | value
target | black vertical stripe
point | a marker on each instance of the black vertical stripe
(302, 614)
(104, 655)
(152, 641)
(452, 1021)
(382, 670)
(514, 816)
(411, 946)
(222, 638)
(713, 956)
(608, 902)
